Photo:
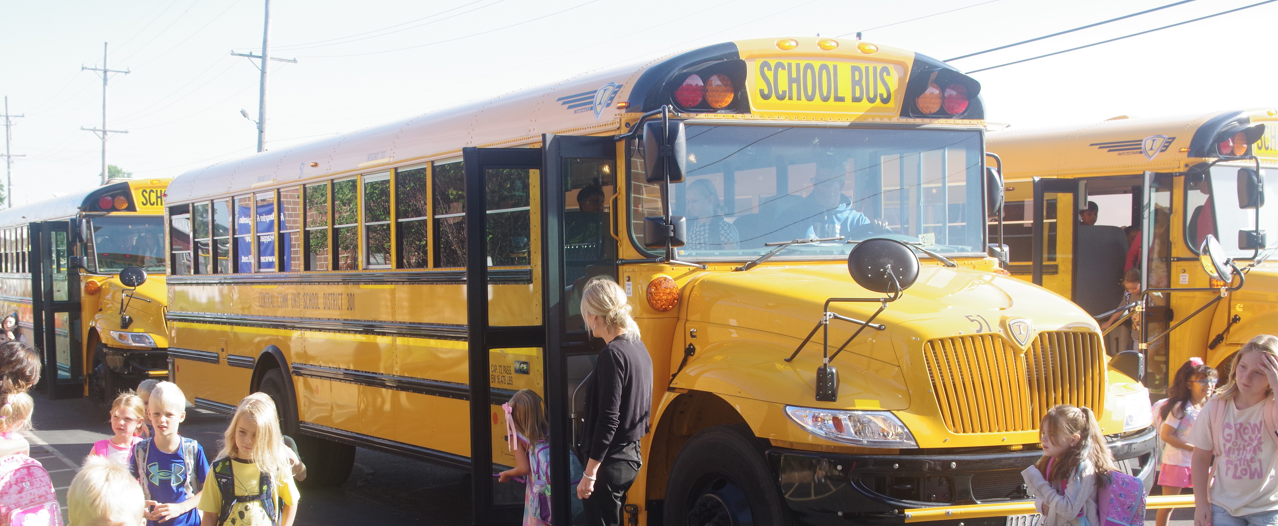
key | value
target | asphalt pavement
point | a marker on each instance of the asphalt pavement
(383, 489)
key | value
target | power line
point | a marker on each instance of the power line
(352, 38)
(266, 58)
(1127, 36)
(919, 18)
(1147, 11)
(168, 49)
(461, 37)
(8, 155)
(162, 31)
(104, 132)
(148, 24)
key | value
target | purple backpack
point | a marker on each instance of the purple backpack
(1119, 503)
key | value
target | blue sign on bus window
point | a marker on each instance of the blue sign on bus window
(244, 254)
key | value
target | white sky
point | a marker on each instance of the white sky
(181, 103)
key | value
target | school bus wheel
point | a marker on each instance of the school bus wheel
(720, 477)
(328, 463)
(102, 380)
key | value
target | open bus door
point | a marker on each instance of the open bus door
(55, 307)
(1058, 248)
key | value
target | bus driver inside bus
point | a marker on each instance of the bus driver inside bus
(834, 216)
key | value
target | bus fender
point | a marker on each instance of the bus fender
(270, 358)
(679, 416)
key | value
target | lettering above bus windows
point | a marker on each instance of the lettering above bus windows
(149, 199)
(796, 86)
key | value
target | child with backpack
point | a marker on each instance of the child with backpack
(15, 417)
(172, 468)
(1077, 482)
(104, 493)
(1193, 383)
(251, 481)
(1235, 461)
(127, 414)
(527, 435)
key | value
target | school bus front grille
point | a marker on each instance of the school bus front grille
(984, 384)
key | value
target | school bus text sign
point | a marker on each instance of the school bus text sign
(820, 86)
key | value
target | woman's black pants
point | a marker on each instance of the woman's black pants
(614, 478)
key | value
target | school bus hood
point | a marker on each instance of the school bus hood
(748, 323)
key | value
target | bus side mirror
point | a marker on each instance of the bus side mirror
(1130, 363)
(883, 265)
(1211, 258)
(656, 231)
(132, 277)
(75, 262)
(993, 192)
(1251, 189)
(664, 150)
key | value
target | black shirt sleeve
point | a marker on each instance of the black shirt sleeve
(609, 382)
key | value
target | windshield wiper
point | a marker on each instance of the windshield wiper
(782, 245)
(919, 246)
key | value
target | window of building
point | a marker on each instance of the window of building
(266, 231)
(222, 236)
(411, 212)
(377, 221)
(317, 253)
(244, 234)
(180, 240)
(290, 229)
(200, 233)
(346, 223)
(449, 189)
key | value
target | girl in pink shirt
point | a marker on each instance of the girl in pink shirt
(127, 413)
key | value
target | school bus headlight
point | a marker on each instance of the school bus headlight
(1137, 413)
(858, 428)
(663, 294)
(719, 91)
(691, 92)
(929, 101)
(91, 288)
(136, 339)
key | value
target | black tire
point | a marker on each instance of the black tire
(103, 382)
(328, 463)
(720, 478)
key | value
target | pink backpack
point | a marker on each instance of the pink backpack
(26, 494)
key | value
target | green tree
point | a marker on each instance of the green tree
(114, 171)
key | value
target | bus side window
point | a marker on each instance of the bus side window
(180, 239)
(346, 223)
(222, 236)
(589, 249)
(412, 217)
(317, 238)
(244, 234)
(449, 189)
(377, 221)
(290, 228)
(200, 234)
(266, 218)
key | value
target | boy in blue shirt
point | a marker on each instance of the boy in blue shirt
(172, 469)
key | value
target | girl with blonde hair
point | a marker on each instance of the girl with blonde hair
(1236, 452)
(127, 414)
(1075, 464)
(618, 402)
(252, 477)
(15, 417)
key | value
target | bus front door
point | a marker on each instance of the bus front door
(1054, 248)
(505, 329)
(55, 299)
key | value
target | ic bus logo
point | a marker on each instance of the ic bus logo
(1149, 146)
(1153, 144)
(596, 101)
(1020, 330)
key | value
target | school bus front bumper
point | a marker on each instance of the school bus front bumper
(872, 490)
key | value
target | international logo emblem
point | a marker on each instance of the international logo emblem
(1020, 330)
(1153, 145)
(596, 101)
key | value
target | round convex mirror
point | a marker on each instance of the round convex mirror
(874, 262)
(1209, 255)
(133, 276)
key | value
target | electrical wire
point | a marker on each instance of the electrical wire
(148, 24)
(472, 35)
(352, 38)
(169, 49)
(1127, 36)
(162, 31)
(156, 107)
(1124, 17)
(919, 18)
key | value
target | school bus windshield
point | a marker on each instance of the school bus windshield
(751, 185)
(134, 241)
(1213, 209)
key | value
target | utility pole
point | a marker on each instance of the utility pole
(265, 56)
(8, 156)
(103, 132)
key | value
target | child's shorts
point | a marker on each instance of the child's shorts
(1175, 476)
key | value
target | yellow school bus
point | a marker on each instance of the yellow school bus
(60, 273)
(392, 287)
(1177, 180)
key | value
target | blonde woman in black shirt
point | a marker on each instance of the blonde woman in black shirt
(618, 403)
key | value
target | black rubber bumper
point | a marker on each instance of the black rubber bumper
(872, 490)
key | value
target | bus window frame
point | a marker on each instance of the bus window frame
(197, 266)
(364, 223)
(239, 235)
(326, 228)
(282, 224)
(336, 228)
(273, 234)
(398, 237)
(171, 214)
(216, 240)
